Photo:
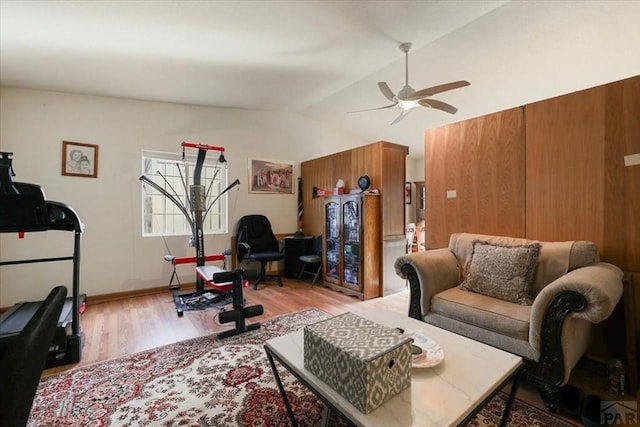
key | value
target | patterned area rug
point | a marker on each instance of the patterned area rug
(204, 382)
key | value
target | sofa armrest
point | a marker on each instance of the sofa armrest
(600, 284)
(559, 317)
(428, 272)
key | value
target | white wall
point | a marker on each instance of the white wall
(415, 172)
(114, 256)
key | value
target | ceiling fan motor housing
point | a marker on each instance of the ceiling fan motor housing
(406, 92)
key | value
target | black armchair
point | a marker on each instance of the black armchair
(255, 241)
(21, 364)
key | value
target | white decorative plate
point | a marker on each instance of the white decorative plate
(431, 355)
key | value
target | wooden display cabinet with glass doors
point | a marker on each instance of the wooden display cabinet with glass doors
(352, 247)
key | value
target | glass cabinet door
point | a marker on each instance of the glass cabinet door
(351, 246)
(332, 240)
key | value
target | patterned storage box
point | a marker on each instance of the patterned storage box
(363, 361)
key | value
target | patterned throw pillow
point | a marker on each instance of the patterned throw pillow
(504, 272)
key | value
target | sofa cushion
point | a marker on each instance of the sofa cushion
(504, 272)
(485, 312)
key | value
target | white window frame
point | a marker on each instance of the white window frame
(160, 216)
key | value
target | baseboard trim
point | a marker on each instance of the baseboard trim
(102, 298)
(116, 296)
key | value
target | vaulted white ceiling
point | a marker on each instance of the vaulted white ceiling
(321, 58)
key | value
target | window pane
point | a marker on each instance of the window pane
(161, 215)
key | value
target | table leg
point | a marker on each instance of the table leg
(510, 399)
(287, 405)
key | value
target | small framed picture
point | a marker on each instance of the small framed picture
(270, 176)
(79, 159)
(407, 193)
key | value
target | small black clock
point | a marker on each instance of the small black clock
(364, 182)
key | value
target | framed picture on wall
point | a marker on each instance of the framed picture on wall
(407, 193)
(79, 159)
(270, 176)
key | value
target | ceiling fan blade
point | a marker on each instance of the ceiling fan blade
(438, 105)
(430, 91)
(386, 91)
(372, 109)
(402, 115)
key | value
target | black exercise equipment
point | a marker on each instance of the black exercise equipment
(256, 242)
(240, 311)
(21, 364)
(23, 208)
(197, 200)
(216, 295)
(199, 206)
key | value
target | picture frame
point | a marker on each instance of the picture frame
(407, 193)
(79, 159)
(269, 176)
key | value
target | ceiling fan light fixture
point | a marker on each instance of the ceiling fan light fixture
(408, 98)
(408, 105)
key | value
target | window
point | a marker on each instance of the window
(168, 171)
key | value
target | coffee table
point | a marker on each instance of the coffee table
(451, 393)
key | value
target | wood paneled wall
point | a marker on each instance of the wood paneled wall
(482, 160)
(551, 170)
(622, 183)
(577, 184)
(578, 187)
(565, 168)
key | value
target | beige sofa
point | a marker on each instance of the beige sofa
(566, 290)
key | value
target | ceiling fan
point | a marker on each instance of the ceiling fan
(408, 98)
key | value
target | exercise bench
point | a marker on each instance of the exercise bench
(233, 281)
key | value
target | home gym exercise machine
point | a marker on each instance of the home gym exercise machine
(23, 208)
(224, 285)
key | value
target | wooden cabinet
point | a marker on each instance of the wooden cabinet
(385, 164)
(352, 246)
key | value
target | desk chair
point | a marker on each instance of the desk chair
(21, 364)
(256, 242)
(312, 260)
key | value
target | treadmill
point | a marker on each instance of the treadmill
(24, 208)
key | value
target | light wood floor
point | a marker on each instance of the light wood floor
(118, 328)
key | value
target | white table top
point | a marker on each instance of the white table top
(439, 396)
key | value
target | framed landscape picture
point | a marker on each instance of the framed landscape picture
(270, 176)
(79, 159)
